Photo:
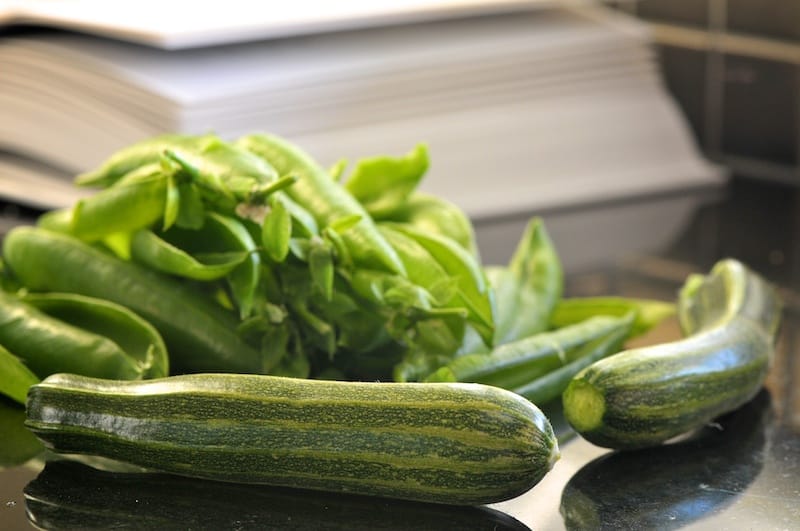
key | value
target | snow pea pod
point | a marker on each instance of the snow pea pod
(48, 345)
(200, 335)
(130, 158)
(327, 200)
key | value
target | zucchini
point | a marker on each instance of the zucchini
(460, 444)
(645, 396)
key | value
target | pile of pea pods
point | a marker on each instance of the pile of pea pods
(195, 254)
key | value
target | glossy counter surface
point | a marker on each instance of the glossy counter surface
(741, 472)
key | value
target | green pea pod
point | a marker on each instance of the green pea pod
(157, 253)
(436, 215)
(137, 201)
(191, 210)
(383, 184)
(48, 345)
(130, 158)
(276, 230)
(473, 291)
(200, 335)
(138, 338)
(550, 386)
(517, 363)
(529, 288)
(326, 199)
(224, 169)
(320, 264)
(15, 377)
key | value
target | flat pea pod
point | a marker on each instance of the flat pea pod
(48, 345)
(128, 159)
(520, 362)
(15, 376)
(326, 199)
(137, 201)
(649, 312)
(529, 288)
(199, 334)
(138, 338)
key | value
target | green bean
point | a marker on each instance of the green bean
(383, 184)
(514, 364)
(318, 193)
(15, 376)
(49, 345)
(200, 335)
(550, 386)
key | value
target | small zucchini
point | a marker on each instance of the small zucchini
(645, 396)
(460, 444)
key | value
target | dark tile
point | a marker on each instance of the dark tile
(778, 19)
(684, 12)
(760, 109)
(684, 72)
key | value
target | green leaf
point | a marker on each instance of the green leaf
(383, 184)
(320, 263)
(192, 211)
(15, 377)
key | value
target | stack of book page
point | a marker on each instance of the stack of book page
(529, 107)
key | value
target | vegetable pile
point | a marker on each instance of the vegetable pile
(249, 262)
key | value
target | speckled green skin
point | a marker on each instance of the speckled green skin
(465, 444)
(643, 397)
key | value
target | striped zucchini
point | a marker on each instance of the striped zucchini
(644, 396)
(461, 444)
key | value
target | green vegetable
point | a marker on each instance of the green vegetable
(448, 443)
(199, 334)
(15, 376)
(529, 288)
(70, 495)
(649, 313)
(18, 445)
(518, 363)
(645, 396)
(47, 344)
(328, 201)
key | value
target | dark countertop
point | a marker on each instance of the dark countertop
(742, 472)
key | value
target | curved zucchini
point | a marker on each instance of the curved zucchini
(461, 444)
(645, 396)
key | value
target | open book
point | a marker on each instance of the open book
(522, 109)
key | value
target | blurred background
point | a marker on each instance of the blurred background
(633, 127)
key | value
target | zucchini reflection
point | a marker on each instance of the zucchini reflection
(669, 487)
(70, 495)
